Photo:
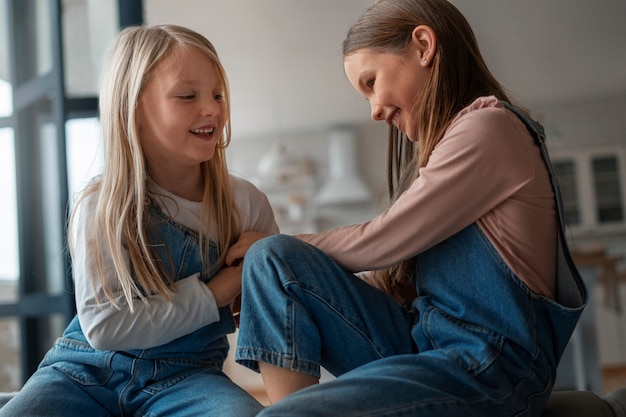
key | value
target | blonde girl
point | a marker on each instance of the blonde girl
(148, 239)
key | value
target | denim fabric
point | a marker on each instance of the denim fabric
(480, 343)
(180, 378)
(300, 306)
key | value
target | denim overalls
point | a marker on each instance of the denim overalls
(480, 343)
(180, 378)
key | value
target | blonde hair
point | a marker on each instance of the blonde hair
(120, 223)
(458, 75)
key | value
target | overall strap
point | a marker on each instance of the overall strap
(571, 290)
(536, 130)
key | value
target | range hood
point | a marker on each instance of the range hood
(344, 184)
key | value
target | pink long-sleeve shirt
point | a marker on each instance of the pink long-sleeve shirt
(486, 169)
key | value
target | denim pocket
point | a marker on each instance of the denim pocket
(84, 374)
(170, 372)
(473, 347)
(80, 362)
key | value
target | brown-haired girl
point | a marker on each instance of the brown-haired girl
(472, 296)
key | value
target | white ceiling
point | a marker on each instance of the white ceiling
(283, 57)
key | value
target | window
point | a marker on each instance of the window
(606, 181)
(38, 146)
(566, 173)
(592, 187)
(88, 28)
(84, 153)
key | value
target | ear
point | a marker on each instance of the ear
(424, 43)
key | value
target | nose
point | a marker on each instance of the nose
(211, 106)
(377, 111)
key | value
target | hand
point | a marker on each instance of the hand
(226, 285)
(238, 250)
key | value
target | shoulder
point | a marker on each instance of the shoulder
(488, 124)
(244, 190)
(254, 207)
(488, 136)
(487, 113)
(247, 197)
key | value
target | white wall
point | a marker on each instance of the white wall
(244, 154)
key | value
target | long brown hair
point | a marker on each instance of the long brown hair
(458, 75)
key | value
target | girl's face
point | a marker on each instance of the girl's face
(390, 82)
(181, 112)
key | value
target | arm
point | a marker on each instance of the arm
(192, 305)
(157, 323)
(480, 162)
(257, 218)
(107, 327)
(258, 221)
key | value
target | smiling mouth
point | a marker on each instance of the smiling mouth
(203, 132)
(393, 118)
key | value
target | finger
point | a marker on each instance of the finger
(235, 254)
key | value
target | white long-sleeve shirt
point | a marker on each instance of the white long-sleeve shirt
(486, 169)
(191, 306)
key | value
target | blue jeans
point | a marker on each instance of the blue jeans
(182, 378)
(479, 343)
(122, 385)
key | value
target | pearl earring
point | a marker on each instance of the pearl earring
(425, 60)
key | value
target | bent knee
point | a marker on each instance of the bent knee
(278, 253)
(278, 245)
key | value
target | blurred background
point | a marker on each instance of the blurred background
(304, 136)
